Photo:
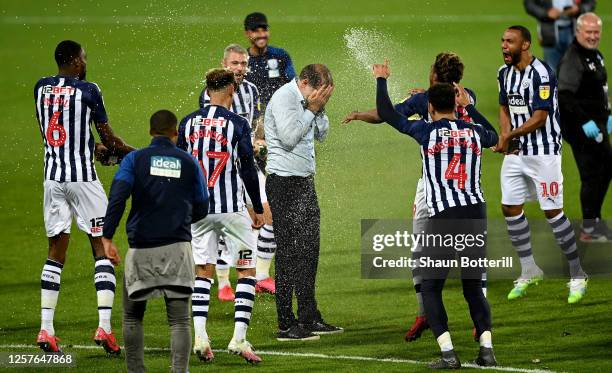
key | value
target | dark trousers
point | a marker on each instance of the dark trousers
(295, 209)
(177, 310)
(594, 161)
(456, 220)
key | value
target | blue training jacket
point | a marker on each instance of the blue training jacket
(168, 193)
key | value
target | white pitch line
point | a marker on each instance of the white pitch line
(311, 355)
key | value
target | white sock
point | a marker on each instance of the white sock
(262, 268)
(105, 282)
(49, 292)
(223, 277)
(485, 339)
(445, 342)
(46, 322)
(266, 247)
(200, 299)
(243, 306)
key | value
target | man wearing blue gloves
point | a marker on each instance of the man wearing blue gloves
(586, 122)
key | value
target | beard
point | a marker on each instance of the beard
(257, 40)
(515, 58)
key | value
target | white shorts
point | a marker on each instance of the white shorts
(86, 201)
(419, 207)
(262, 190)
(240, 239)
(531, 177)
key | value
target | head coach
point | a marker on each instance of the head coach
(294, 118)
(168, 194)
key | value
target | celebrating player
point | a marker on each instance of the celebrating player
(221, 141)
(66, 104)
(447, 68)
(453, 148)
(529, 121)
(269, 67)
(246, 104)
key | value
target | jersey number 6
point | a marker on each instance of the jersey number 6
(54, 126)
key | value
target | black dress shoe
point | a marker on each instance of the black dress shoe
(486, 357)
(296, 333)
(321, 327)
(449, 360)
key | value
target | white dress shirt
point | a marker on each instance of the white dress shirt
(290, 133)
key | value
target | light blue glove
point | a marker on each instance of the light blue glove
(609, 124)
(590, 129)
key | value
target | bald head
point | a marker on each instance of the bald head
(588, 30)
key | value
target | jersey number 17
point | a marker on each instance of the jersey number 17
(214, 176)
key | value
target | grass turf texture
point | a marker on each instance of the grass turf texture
(143, 64)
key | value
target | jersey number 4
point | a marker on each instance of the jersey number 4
(214, 176)
(51, 130)
(458, 175)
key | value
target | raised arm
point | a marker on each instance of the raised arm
(387, 112)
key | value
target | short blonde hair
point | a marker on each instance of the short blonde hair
(234, 48)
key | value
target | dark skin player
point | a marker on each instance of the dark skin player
(111, 145)
(516, 52)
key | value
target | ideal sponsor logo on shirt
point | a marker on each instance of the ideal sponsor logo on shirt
(58, 90)
(165, 166)
(516, 100)
(517, 105)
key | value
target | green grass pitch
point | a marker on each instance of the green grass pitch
(152, 55)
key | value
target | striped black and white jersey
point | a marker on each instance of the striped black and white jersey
(246, 101)
(65, 107)
(218, 138)
(523, 92)
(451, 154)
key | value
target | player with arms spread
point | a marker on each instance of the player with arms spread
(66, 105)
(221, 141)
(531, 138)
(451, 151)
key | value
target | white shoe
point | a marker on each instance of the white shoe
(577, 288)
(244, 349)
(201, 347)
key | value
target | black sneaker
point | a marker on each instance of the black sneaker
(296, 333)
(595, 231)
(486, 357)
(449, 360)
(321, 327)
